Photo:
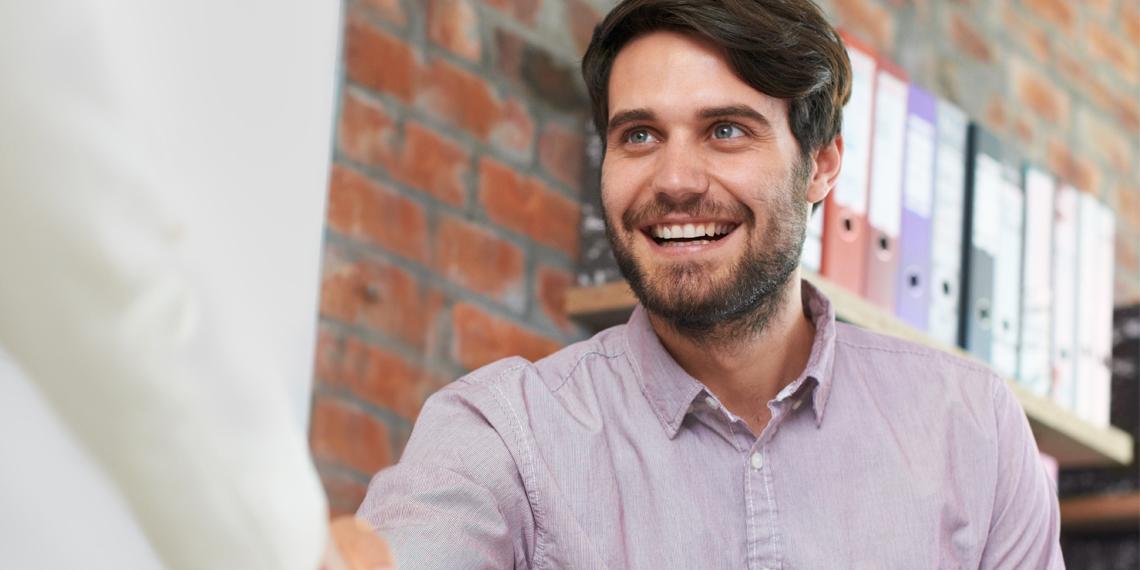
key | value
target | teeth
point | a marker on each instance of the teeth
(710, 229)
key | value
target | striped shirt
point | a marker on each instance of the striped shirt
(606, 454)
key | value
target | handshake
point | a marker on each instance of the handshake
(353, 545)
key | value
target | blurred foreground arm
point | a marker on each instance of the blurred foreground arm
(162, 176)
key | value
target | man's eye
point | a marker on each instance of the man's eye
(639, 136)
(727, 131)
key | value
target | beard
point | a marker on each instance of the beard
(716, 312)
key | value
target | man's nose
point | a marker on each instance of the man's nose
(680, 170)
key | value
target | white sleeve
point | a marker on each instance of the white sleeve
(163, 168)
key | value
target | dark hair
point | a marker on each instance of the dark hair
(782, 48)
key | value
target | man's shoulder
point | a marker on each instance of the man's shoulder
(553, 371)
(887, 352)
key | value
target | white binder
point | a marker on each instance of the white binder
(1064, 345)
(1007, 274)
(1095, 234)
(1098, 305)
(946, 231)
(1037, 293)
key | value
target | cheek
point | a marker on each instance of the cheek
(750, 178)
(618, 189)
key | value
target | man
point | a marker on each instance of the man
(732, 423)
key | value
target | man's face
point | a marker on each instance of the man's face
(703, 186)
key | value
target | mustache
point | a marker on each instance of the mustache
(695, 206)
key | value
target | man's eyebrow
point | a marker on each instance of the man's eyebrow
(730, 111)
(622, 118)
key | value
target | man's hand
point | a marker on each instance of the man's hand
(353, 545)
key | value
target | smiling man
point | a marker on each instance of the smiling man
(731, 423)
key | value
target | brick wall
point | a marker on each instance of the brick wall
(452, 218)
(453, 211)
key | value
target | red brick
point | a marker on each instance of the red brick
(367, 133)
(509, 48)
(523, 10)
(454, 24)
(1107, 141)
(478, 260)
(583, 19)
(561, 152)
(1105, 45)
(389, 10)
(1124, 107)
(1023, 129)
(1126, 292)
(345, 435)
(1127, 256)
(1128, 206)
(426, 160)
(460, 98)
(1130, 21)
(1039, 93)
(873, 22)
(1060, 13)
(528, 206)
(1030, 36)
(553, 79)
(969, 41)
(514, 131)
(376, 295)
(552, 286)
(1077, 170)
(434, 164)
(1072, 68)
(378, 60)
(363, 209)
(481, 338)
(344, 493)
(373, 374)
(996, 116)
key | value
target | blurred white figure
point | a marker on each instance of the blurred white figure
(163, 168)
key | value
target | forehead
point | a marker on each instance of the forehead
(674, 73)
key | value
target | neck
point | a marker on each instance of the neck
(747, 368)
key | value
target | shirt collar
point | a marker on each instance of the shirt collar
(671, 391)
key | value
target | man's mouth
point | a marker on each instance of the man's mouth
(676, 234)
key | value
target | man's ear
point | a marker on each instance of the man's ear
(826, 161)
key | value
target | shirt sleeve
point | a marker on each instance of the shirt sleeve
(1025, 523)
(455, 499)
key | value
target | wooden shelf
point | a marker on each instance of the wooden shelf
(1102, 512)
(1072, 441)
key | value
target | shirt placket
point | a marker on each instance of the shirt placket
(763, 530)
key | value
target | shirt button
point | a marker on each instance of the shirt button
(796, 405)
(757, 460)
(711, 402)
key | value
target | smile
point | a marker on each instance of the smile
(677, 234)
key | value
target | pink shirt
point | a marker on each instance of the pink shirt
(882, 454)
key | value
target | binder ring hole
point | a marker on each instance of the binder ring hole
(884, 245)
(847, 225)
(913, 280)
(984, 313)
(946, 288)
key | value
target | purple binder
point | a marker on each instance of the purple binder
(912, 291)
